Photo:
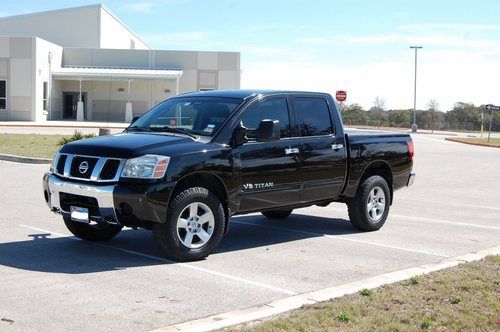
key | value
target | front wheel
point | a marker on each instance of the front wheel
(369, 209)
(92, 232)
(194, 227)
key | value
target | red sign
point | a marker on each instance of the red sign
(341, 95)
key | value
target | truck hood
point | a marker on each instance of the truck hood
(130, 145)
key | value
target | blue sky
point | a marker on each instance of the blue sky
(360, 46)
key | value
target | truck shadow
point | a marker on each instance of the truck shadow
(43, 252)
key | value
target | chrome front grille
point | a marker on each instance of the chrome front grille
(88, 168)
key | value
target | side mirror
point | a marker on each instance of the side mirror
(268, 130)
(239, 135)
(134, 119)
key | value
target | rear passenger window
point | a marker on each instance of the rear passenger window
(271, 109)
(314, 116)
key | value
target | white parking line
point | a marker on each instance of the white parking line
(445, 221)
(451, 204)
(339, 237)
(164, 260)
(458, 223)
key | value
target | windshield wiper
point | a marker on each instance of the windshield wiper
(137, 129)
(172, 130)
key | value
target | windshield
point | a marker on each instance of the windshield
(196, 115)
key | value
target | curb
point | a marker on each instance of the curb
(294, 302)
(472, 143)
(24, 160)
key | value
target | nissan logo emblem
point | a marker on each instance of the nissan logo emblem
(83, 168)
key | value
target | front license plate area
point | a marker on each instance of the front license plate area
(79, 214)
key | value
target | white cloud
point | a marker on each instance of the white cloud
(446, 80)
(437, 40)
(449, 26)
(187, 37)
(139, 7)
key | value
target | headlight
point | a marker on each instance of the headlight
(52, 164)
(149, 166)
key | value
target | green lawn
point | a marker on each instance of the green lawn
(494, 141)
(462, 298)
(41, 146)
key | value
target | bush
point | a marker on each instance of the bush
(343, 317)
(77, 135)
(366, 292)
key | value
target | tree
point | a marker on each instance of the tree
(354, 114)
(399, 118)
(433, 107)
(377, 112)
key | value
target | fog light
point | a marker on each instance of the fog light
(126, 209)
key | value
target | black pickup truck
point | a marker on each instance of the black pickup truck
(186, 166)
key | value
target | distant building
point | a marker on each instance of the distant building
(84, 64)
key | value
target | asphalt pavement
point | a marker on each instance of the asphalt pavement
(50, 280)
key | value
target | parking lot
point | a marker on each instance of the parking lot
(50, 280)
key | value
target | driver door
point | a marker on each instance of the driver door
(268, 170)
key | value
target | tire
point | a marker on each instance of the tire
(369, 209)
(191, 213)
(92, 232)
(277, 214)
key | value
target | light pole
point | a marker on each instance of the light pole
(414, 125)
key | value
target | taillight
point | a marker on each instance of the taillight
(411, 149)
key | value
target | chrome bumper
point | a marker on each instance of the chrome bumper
(411, 179)
(103, 194)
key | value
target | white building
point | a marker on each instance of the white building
(85, 64)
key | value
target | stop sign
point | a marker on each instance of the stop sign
(341, 95)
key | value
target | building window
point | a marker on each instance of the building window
(132, 44)
(45, 94)
(3, 95)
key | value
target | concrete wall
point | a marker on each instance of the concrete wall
(17, 67)
(48, 57)
(201, 70)
(78, 27)
(89, 26)
(115, 34)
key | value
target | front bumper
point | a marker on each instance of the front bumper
(127, 204)
(103, 195)
(411, 179)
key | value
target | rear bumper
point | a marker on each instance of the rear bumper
(411, 179)
(127, 204)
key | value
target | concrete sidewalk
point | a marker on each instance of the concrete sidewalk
(58, 127)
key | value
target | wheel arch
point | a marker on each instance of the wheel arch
(207, 180)
(380, 168)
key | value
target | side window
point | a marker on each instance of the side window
(272, 109)
(314, 116)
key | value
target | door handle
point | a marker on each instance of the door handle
(337, 147)
(292, 150)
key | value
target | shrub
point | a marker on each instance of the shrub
(414, 280)
(366, 292)
(77, 135)
(343, 317)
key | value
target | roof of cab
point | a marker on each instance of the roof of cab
(241, 94)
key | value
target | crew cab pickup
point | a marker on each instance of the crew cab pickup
(186, 166)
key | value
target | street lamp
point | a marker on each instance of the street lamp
(414, 125)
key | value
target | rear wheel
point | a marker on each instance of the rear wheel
(368, 211)
(277, 214)
(194, 227)
(92, 232)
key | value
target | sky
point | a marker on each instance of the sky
(358, 46)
